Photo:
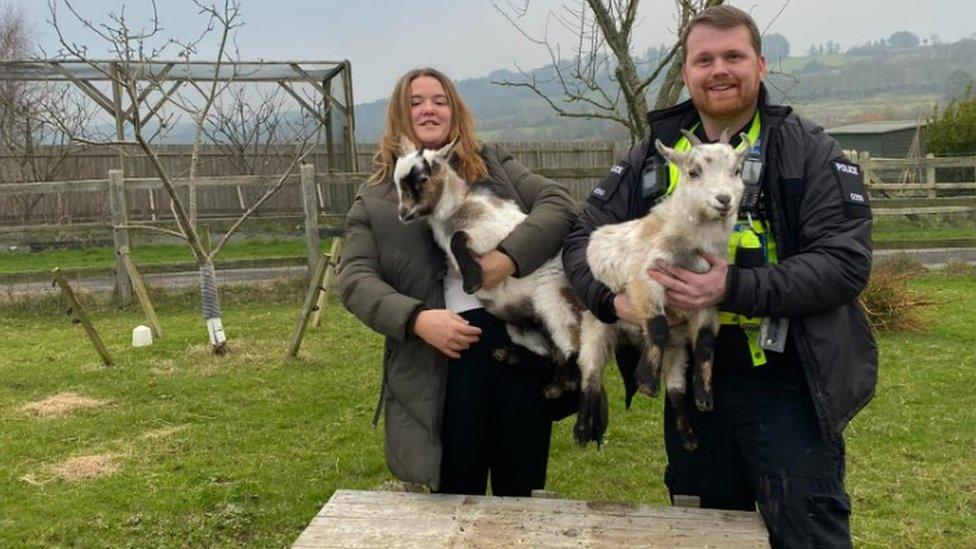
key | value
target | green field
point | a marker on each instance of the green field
(194, 450)
(155, 254)
(103, 257)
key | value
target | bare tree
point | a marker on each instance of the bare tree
(603, 78)
(152, 110)
(33, 149)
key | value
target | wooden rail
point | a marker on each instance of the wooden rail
(335, 191)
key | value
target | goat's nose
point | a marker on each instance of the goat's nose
(724, 199)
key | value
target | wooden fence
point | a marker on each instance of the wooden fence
(579, 165)
(71, 199)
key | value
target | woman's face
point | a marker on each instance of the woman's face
(430, 112)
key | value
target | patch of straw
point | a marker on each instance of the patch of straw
(891, 305)
(165, 432)
(80, 468)
(61, 404)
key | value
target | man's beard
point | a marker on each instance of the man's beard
(727, 107)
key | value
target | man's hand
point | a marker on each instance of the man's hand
(445, 331)
(495, 267)
(690, 290)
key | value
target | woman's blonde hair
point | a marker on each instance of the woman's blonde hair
(470, 166)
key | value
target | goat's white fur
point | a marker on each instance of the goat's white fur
(697, 217)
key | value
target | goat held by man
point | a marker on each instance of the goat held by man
(698, 217)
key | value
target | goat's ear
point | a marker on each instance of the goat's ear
(672, 155)
(746, 148)
(405, 145)
(445, 153)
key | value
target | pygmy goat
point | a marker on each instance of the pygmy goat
(540, 310)
(697, 217)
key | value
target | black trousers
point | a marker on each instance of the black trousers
(497, 421)
(762, 445)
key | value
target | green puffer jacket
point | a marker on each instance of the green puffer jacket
(388, 270)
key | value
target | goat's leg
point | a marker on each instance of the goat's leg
(560, 311)
(467, 262)
(596, 345)
(529, 345)
(704, 327)
(675, 369)
(647, 297)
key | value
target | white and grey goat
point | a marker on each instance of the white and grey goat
(697, 217)
(540, 310)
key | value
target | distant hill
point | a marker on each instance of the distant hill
(832, 89)
(503, 113)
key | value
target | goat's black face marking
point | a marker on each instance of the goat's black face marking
(414, 181)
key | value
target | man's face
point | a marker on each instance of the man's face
(722, 71)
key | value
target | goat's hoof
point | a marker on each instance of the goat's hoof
(553, 391)
(505, 355)
(471, 289)
(648, 389)
(703, 397)
(592, 418)
(688, 439)
(648, 377)
(704, 403)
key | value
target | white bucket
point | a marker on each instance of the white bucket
(141, 336)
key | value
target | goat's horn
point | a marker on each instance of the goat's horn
(692, 138)
(724, 138)
(745, 139)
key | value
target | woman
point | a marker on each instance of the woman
(454, 415)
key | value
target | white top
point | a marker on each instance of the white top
(454, 297)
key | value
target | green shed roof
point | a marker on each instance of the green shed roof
(883, 126)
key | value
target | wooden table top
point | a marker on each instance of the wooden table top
(398, 519)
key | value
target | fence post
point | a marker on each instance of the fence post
(76, 312)
(140, 287)
(327, 279)
(311, 297)
(310, 204)
(120, 235)
(864, 159)
(929, 176)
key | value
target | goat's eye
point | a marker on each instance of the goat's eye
(694, 174)
(736, 172)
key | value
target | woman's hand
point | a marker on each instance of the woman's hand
(625, 309)
(445, 331)
(495, 268)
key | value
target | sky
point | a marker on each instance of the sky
(470, 38)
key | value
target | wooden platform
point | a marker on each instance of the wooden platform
(397, 519)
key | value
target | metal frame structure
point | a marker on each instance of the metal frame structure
(318, 74)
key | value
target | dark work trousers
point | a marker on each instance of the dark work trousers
(762, 445)
(496, 419)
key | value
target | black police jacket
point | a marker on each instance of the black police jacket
(817, 206)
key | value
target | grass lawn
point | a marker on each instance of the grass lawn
(885, 230)
(889, 229)
(188, 449)
(155, 254)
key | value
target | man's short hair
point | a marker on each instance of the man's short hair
(723, 17)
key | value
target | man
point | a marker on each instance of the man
(800, 256)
